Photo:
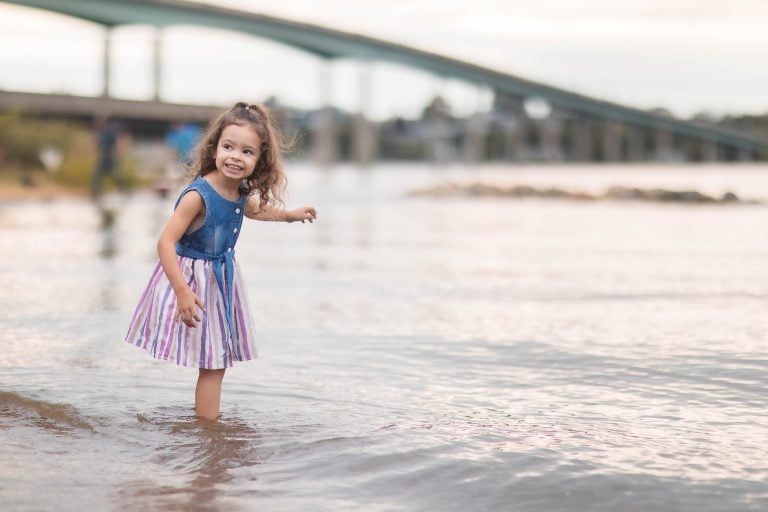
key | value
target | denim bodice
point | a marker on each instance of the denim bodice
(215, 239)
(223, 219)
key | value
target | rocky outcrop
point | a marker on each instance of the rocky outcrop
(614, 193)
(670, 196)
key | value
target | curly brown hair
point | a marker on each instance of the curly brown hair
(268, 178)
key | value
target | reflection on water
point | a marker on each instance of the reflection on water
(202, 456)
(417, 354)
(109, 240)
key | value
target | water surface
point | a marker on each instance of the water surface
(417, 354)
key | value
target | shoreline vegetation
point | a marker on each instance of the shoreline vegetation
(615, 193)
(46, 159)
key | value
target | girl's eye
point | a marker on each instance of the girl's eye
(226, 146)
(248, 152)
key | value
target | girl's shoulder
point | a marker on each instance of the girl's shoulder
(211, 197)
(198, 185)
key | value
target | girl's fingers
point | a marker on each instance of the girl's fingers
(184, 317)
(189, 315)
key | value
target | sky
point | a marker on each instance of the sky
(687, 56)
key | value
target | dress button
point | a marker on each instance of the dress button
(234, 230)
(237, 210)
(229, 249)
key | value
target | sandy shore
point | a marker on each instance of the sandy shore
(12, 191)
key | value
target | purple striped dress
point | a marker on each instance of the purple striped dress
(226, 331)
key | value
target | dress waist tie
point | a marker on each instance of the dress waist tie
(225, 260)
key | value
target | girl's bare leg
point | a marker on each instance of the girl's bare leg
(208, 393)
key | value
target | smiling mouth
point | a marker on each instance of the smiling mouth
(235, 168)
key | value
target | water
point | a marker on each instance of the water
(416, 354)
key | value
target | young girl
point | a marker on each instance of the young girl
(195, 310)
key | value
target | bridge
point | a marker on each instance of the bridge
(576, 127)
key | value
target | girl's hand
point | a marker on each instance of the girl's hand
(305, 213)
(186, 308)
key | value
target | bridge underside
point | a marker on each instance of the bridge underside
(578, 128)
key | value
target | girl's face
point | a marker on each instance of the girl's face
(238, 151)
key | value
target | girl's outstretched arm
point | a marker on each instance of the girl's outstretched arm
(190, 207)
(254, 210)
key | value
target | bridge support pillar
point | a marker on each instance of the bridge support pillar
(157, 63)
(635, 144)
(582, 141)
(551, 139)
(690, 149)
(709, 151)
(324, 144)
(515, 132)
(439, 141)
(106, 63)
(663, 146)
(612, 141)
(745, 155)
(364, 140)
(364, 133)
(475, 134)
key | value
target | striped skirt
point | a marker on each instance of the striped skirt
(208, 345)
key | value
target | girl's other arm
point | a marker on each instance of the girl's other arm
(190, 206)
(254, 210)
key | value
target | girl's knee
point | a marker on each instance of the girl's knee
(212, 374)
